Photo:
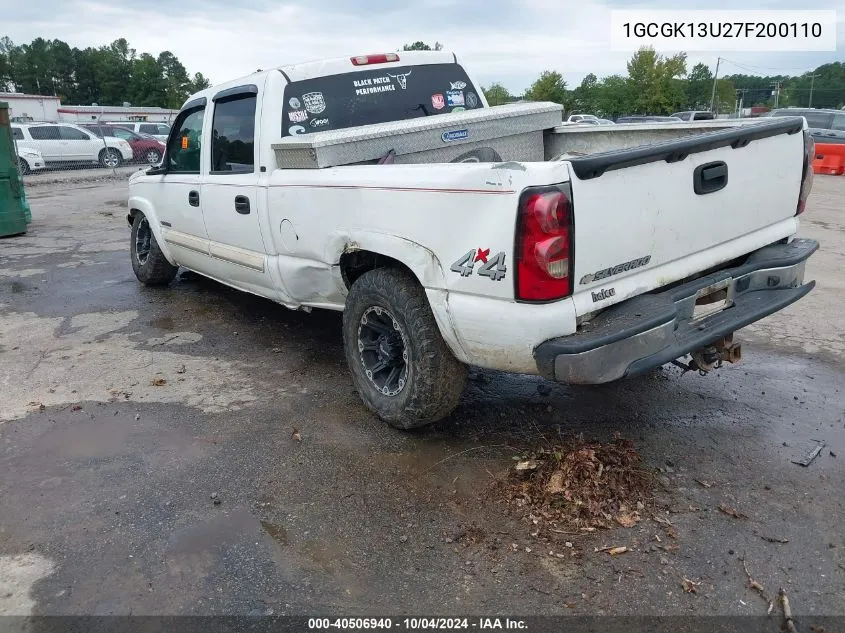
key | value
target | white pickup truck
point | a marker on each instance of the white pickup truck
(581, 268)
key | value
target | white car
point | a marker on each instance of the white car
(63, 143)
(582, 269)
(158, 131)
(29, 160)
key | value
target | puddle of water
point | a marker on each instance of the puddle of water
(276, 532)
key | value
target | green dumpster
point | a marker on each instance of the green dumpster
(14, 210)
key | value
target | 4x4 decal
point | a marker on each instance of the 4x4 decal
(492, 267)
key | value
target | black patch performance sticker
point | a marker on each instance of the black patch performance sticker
(615, 270)
(314, 102)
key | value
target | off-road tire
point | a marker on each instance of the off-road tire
(23, 167)
(110, 155)
(154, 269)
(435, 378)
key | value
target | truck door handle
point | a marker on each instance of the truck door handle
(194, 198)
(242, 205)
(710, 177)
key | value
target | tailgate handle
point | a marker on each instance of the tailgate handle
(710, 177)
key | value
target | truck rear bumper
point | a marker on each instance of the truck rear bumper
(653, 329)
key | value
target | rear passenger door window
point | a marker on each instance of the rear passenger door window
(46, 139)
(233, 136)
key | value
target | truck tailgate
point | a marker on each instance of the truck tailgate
(652, 215)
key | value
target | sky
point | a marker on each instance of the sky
(506, 41)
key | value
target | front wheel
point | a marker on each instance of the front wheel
(148, 262)
(400, 364)
(110, 157)
(23, 167)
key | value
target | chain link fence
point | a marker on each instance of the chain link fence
(92, 150)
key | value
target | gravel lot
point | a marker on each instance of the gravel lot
(148, 464)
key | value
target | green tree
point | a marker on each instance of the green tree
(613, 97)
(549, 87)
(177, 83)
(199, 82)
(584, 97)
(148, 87)
(422, 46)
(652, 82)
(497, 94)
(699, 86)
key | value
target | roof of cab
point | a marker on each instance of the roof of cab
(334, 66)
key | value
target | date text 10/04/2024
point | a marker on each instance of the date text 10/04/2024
(357, 624)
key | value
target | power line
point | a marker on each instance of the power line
(753, 67)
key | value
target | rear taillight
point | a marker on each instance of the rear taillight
(807, 173)
(365, 60)
(544, 234)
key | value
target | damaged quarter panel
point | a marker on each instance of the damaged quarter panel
(451, 224)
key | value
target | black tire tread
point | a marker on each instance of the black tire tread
(438, 378)
(156, 271)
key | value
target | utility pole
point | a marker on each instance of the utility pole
(713, 94)
(812, 83)
(776, 86)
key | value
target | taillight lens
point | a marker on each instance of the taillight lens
(544, 234)
(807, 173)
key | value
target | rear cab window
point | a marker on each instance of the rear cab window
(376, 95)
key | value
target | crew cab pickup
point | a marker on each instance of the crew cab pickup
(583, 268)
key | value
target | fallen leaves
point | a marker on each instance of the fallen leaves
(296, 436)
(36, 406)
(613, 551)
(690, 586)
(731, 512)
(158, 382)
(580, 485)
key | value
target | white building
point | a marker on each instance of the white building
(87, 114)
(31, 107)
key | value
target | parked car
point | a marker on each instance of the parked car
(581, 118)
(826, 126)
(63, 143)
(695, 115)
(648, 119)
(146, 149)
(525, 266)
(605, 122)
(159, 131)
(29, 159)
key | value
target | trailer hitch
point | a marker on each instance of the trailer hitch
(710, 357)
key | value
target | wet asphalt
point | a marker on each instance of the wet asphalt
(161, 475)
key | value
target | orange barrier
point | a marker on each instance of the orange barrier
(830, 159)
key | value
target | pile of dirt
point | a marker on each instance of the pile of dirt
(580, 486)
